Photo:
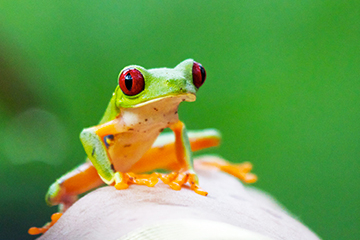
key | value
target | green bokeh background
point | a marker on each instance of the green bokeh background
(283, 87)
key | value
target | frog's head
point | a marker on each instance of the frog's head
(139, 86)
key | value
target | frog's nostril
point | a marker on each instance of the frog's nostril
(172, 82)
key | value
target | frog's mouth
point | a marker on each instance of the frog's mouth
(186, 97)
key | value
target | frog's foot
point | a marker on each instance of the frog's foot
(240, 170)
(122, 180)
(54, 218)
(176, 180)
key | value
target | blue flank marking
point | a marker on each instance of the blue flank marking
(107, 139)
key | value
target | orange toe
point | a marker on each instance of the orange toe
(54, 218)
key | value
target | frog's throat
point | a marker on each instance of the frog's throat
(188, 97)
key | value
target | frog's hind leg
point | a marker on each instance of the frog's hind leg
(162, 155)
(64, 191)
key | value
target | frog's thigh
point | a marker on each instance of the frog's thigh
(97, 152)
(79, 180)
(162, 154)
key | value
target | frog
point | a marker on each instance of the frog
(128, 145)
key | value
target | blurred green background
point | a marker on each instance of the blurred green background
(283, 87)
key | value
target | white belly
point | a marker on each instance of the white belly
(142, 126)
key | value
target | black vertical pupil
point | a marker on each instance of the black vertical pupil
(202, 70)
(128, 81)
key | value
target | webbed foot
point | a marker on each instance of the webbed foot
(122, 180)
(176, 180)
(238, 170)
(54, 218)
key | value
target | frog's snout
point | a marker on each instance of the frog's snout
(190, 97)
(176, 82)
(181, 86)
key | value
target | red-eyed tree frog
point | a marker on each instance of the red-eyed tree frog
(127, 143)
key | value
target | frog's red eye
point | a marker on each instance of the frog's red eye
(131, 81)
(199, 74)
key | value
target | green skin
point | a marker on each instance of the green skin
(164, 89)
(159, 83)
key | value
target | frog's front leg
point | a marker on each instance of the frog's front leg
(186, 173)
